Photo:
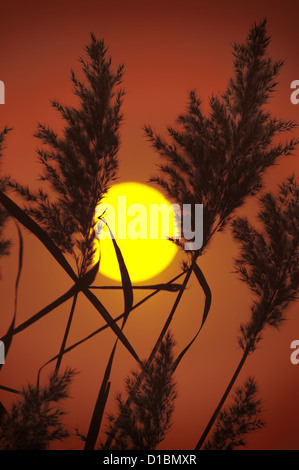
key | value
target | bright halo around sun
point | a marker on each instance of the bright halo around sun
(140, 220)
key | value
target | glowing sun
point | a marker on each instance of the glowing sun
(134, 213)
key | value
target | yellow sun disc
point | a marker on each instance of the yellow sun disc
(141, 220)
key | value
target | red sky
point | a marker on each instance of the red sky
(168, 48)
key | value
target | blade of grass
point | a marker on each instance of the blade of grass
(34, 228)
(96, 420)
(208, 299)
(56, 303)
(125, 278)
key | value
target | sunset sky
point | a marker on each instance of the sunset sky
(168, 48)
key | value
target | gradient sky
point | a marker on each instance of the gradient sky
(168, 48)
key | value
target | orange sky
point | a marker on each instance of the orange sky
(168, 47)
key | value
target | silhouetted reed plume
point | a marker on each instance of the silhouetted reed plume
(144, 423)
(35, 420)
(80, 165)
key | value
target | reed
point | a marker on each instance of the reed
(268, 265)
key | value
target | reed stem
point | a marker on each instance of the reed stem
(222, 401)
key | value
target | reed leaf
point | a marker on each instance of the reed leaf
(89, 277)
(125, 277)
(163, 287)
(208, 299)
(11, 390)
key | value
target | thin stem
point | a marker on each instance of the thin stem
(66, 333)
(222, 401)
(167, 287)
(11, 390)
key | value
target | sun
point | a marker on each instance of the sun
(134, 213)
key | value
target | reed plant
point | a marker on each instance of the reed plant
(268, 265)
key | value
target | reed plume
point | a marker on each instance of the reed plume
(238, 420)
(79, 165)
(219, 159)
(144, 423)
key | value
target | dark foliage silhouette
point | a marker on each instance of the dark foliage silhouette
(240, 419)
(35, 420)
(81, 164)
(269, 266)
(144, 423)
(219, 159)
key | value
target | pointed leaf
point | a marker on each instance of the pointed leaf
(125, 278)
(208, 299)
